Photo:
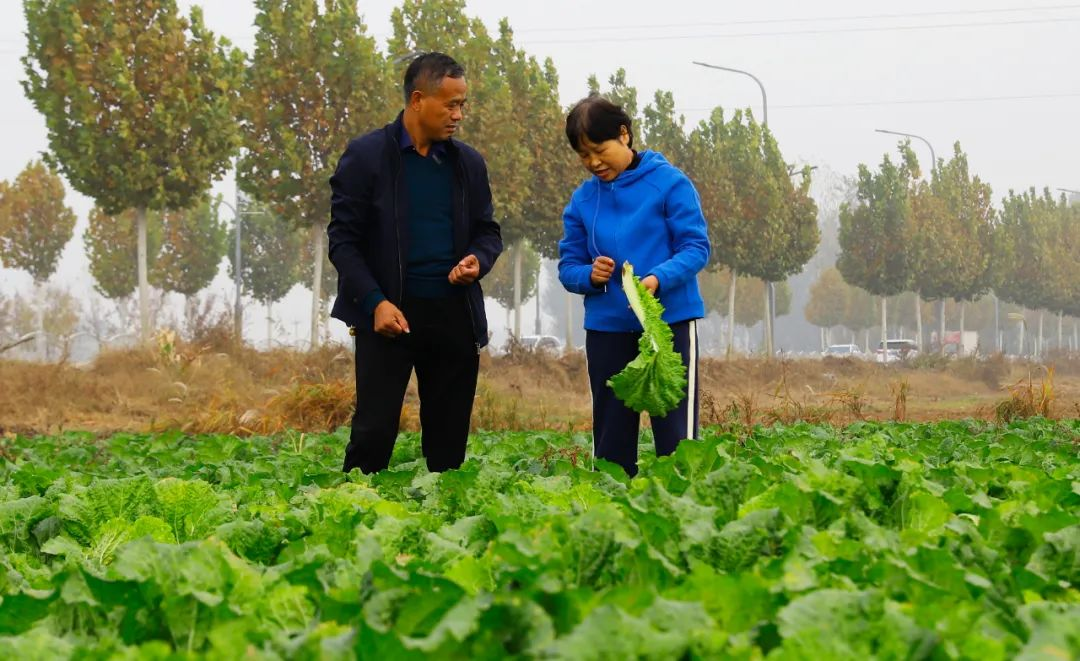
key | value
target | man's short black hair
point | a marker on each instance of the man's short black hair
(426, 72)
(597, 119)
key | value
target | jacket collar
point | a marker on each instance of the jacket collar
(396, 132)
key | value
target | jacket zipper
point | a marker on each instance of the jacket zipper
(464, 211)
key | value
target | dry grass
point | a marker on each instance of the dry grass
(211, 385)
(1025, 401)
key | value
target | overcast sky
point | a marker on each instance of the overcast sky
(999, 77)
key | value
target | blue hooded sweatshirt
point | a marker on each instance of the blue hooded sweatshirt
(649, 216)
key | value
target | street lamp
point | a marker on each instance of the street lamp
(918, 299)
(765, 123)
(764, 99)
(933, 158)
(238, 324)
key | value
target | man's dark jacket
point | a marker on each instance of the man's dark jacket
(369, 227)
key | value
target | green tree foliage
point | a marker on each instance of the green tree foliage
(499, 282)
(828, 300)
(1026, 240)
(192, 246)
(664, 131)
(863, 310)
(716, 284)
(875, 251)
(270, 255)
(315, 81)
(111, 244)
(760, 223)
(874, 231)
(139, 103)
(35, 224)
(951, 237)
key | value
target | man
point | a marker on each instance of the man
(411, 234)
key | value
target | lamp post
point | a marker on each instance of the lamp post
(238, 323)
(933, 157)
(770, 293)
(918, 298)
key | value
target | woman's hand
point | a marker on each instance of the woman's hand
(602, 269)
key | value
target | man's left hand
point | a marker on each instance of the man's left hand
(466, 272)
(651, 283)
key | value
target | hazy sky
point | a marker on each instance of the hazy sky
(1009, 92)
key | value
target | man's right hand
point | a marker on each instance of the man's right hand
(389, 322)
(602, 268)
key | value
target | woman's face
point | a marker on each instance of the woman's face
(607, 159)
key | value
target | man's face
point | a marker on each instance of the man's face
(441, 111)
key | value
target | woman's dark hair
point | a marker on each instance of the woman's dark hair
(597, 119)
(426, 72)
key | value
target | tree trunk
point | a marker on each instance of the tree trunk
(1061, 329)
(999, 347)
(770, 291)
(731, 314)
(918, 321)
(569, 321)
(537, 325)
(884, 330)
(316, 282)
(144, 281)
(325, 310)
(941, 326)
(519, 258)
(960, 345)
(1020, 347)
(765, 326)
(40, 346)
(1039, 340)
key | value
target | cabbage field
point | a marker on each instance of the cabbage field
(886, 540)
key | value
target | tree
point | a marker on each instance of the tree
(874, 239)
(716, 286)
(192, 246)
(734, 167)
(1025, 243)
(35, 224)
(55, 316)
(664, 132)
(315, 81)
(828, 301)
(951, 237)
(537, 200)
(36, 227)
(862, 312)
(139, 103)
(270, 264)
(506, 284)
(111, 244)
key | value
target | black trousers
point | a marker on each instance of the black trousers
(615, 427)
(442, 349)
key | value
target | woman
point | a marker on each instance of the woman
(635, 208)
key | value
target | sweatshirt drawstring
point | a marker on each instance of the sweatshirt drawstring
(592, 234)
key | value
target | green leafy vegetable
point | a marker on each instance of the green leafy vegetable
(654, 381)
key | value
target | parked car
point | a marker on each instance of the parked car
(542, 344)
(844, 350)
(896, 350)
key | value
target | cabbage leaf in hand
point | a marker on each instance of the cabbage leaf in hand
(654, 381)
